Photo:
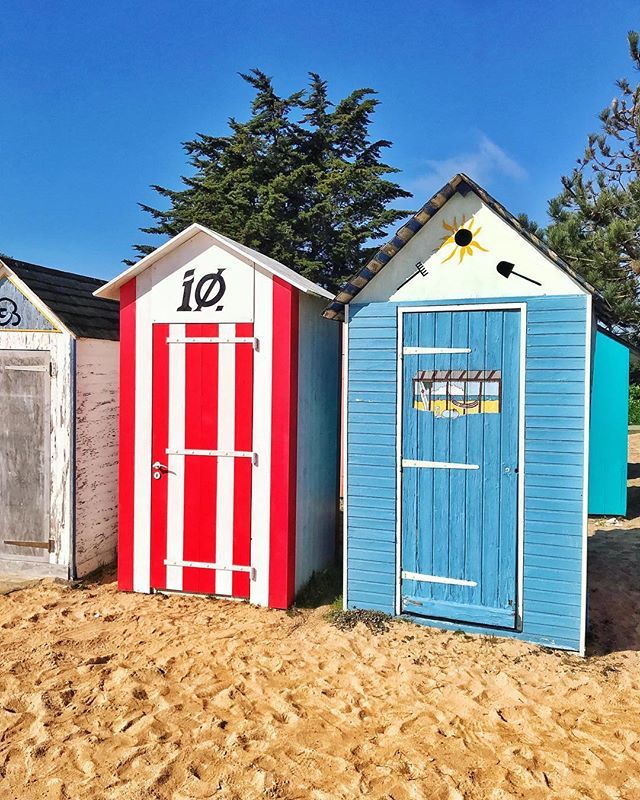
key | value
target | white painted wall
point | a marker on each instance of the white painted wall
(318, 446)
(59, 347)
(97, 381)
(200, 254)
(475, 276)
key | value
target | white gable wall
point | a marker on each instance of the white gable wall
(166, 278)
(475, 276)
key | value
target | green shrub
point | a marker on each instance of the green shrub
(634, 404)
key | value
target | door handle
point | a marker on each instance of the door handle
(158, 470)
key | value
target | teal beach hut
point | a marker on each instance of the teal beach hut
(609, 424)
(468, 392)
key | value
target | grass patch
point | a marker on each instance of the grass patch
(324, 589)
(376, 621)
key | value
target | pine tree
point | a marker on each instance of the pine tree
(596, 218)
(300, 180)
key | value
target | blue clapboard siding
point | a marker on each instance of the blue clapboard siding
(554, 465)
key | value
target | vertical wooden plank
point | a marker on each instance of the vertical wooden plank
(410, 553)
(201, 472)
(159, 444)
(243, 467)
(509, 418)
(442, 477)
(126, 467)
(425, 494)
(262, 411)
(143, 412)
(176, 474)
(226, 436)
(458, 453)
(474, 505)
(492, 468)
(283, 444)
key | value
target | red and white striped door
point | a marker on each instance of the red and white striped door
(202, 458)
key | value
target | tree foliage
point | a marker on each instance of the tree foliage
(596, 218)
(300, 180)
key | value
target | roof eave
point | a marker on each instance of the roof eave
(464, 184)
(35, 300)
(111, 290)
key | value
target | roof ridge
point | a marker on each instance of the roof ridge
(69, 297)
(53, 270)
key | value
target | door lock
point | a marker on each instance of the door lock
(157, 468)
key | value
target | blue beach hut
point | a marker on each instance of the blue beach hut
(468, 386)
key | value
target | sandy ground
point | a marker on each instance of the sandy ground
(11, 583)
(107, 695)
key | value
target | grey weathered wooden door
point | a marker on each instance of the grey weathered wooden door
(24, 454)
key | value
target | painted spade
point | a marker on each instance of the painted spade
(506, 268)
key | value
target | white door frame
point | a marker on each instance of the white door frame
(522, 308)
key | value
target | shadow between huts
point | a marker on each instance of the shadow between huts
(324, 589)
(633, 501)
(614, 591)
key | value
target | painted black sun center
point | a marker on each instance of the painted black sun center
(463, 237)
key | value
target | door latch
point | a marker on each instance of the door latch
(158, 469)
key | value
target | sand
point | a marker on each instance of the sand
(107, 695)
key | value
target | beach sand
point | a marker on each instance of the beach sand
(109, 695)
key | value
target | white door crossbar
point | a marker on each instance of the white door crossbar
(410, 462)
(212, 565)
(214, 453)
(418, 576)
(213, 340)
(433, 351)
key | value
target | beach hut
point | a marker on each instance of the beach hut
(467, 440)
(228, 422)
(609, 426)
(58, 422)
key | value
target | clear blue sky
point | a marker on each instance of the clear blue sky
(97, 97)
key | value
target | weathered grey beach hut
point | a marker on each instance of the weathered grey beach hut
(58, 422)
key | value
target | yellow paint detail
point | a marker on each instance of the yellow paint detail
(453, 252)
(438, 406)
(461, 249)
(479, 246)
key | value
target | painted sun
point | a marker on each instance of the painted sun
(462, 237)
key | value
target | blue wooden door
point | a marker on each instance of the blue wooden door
(459, 456)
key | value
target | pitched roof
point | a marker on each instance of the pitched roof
(71, 298)
(463, 184)
(112, 289)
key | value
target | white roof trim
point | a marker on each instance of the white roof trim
(111, 290)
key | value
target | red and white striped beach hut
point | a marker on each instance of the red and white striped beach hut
(228, 422)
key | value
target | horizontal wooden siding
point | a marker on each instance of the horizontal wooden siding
(554, 463)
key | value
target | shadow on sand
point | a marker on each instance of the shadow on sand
(614, 583)
(614, 591)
